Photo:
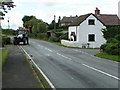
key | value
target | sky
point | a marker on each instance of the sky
(46, 9)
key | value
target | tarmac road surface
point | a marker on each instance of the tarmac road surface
(73, 68)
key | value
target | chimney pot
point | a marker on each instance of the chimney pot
(97, 11)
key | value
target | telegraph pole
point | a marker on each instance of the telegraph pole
(54, 22)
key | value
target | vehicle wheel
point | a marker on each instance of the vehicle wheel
(15, 43)
(24, 41)
(27, 41)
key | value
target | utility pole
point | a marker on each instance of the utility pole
(54, 22)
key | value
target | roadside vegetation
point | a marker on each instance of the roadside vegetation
(4, 54)
(111, 50)
(108, 56)
(53, 32)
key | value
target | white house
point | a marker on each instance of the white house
(87, 29)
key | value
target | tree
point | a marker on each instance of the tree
(51, 25)
(26, 19)
(31, 22)
(41, 27)
(5, 5)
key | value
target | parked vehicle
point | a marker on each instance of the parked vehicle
(21, 36)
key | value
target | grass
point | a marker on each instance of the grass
(42, 82)
(4, 55)
(108, 56)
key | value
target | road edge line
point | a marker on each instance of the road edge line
(46, 78)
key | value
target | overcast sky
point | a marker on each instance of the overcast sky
(46, 9)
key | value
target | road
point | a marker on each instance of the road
(73, 68)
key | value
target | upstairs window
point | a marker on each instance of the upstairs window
(91, 37)
(91, 22)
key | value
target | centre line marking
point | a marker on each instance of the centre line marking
(101, 72)
(64, 56)
(49, 49)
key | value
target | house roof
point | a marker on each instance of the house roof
(80, 19)
(109, 19)
(106, 19)
(68, 19)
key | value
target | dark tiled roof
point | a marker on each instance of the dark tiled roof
(108, 19)
(68, 19)
(80, 19)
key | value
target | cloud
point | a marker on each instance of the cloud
(46, 9)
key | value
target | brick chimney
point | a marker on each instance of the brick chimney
(97, 11)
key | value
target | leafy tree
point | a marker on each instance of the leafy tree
(31, 22)
(41, 27)
(51, 25)
(26, 18)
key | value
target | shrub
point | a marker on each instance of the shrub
(117, 37)
(103, 46)
(58, 34)
(111, 48)
(5, 40)
(33, 35)
(41, 35)
(64, 36)
(112, 40)
(54, 39)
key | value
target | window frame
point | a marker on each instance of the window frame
(91, 38)
(90, 20)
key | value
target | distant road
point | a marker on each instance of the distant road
(72, 68)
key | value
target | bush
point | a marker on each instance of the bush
(54, 39)
(58, 34)
(112, 40)
(111, 48)
(33, 35)
(41, 35)
(103, 46)
(117, 37)
(5, 40)
(64, 36)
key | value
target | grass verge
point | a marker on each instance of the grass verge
(108, 56)
(4, 54)
(42, 82)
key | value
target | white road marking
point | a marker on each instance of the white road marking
(95, 56)
(101, 72)
(64, 56)
(52, 86)
(45, 48)
(49, 49)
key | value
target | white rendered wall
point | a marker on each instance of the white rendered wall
(86, 29)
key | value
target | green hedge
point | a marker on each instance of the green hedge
(53, 39)
(111, 48)
(5, 40)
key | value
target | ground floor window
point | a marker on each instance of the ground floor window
(73, 36)
(91, 37)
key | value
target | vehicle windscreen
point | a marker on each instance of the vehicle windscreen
(21, 32)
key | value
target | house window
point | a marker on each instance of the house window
(91, 22)
(91, 37)
(73, 36)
